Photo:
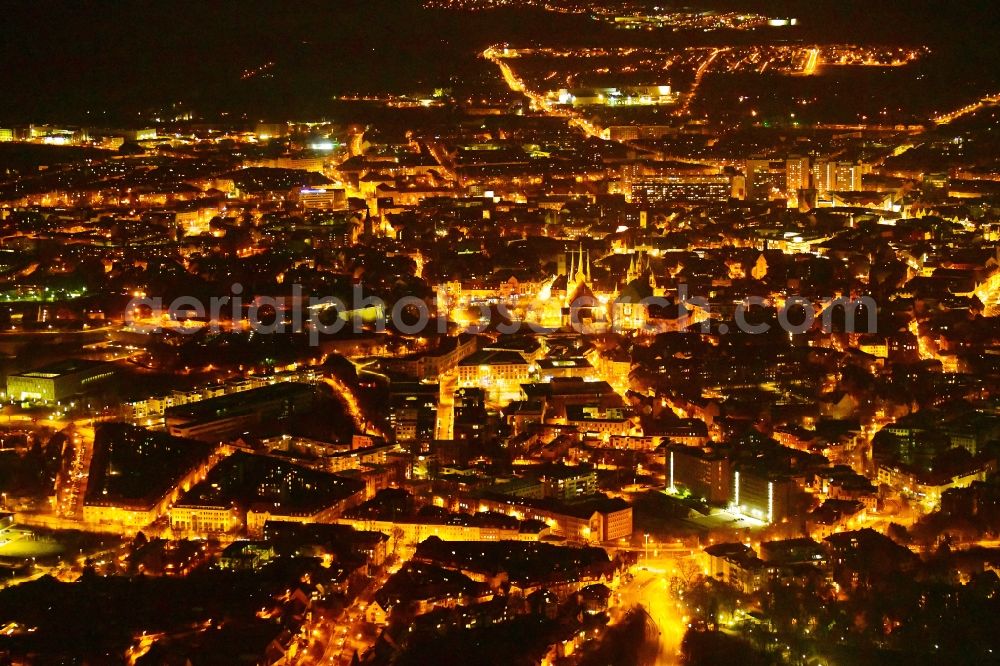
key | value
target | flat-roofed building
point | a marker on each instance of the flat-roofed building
(765, 178)
(571, 391)
(500, 373)
(698, 188)
(228, 416)
(58, 381)
(245, 491)
(575, 366)
(600, 421)
(135, 474)
(322, 198)
(736, 565)
(595, 518)
(705, 473)
(413, 410)
(762, 495)
(567, 482)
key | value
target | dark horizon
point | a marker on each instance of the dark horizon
(124, 63)
(500, 332)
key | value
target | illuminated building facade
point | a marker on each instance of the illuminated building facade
(702, 472)
(58, 381)
(761, 496)
(597, 520)
(765, 179)
(228, 416)
(833, 176)
(621, 96)
(500, 373)
(136, 475)
(736, 565)
(690, 188)
(413, 409)
(332, 198)
(415, 531)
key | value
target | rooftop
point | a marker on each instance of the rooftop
(136, 467)
(248, 481)
(239, 403)
(65, 368)
(494, 357)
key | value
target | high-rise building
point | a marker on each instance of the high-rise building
(765, 178)
(847, 177)
(820, 181)
(797, 174)
(702, 472)
(757, 493)
(471, 420)
(836, 176)
(413, 410)
(698, 188)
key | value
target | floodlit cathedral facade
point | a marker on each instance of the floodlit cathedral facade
(581, 305)
(630, 309)
(569, 300)
(573, 300)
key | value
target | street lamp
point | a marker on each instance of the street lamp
(646, 545)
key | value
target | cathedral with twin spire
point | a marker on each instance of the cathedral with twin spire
(573, 299)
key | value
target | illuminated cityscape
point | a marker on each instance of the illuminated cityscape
(541, 332)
